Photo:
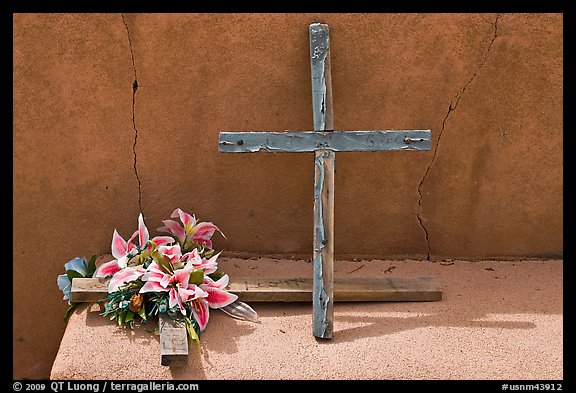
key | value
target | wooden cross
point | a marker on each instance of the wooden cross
(324, 142)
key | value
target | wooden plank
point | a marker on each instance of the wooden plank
(324, 165)
(252, 289)
(173, 341)
(380, 289)
(310, 141)
(88, 290)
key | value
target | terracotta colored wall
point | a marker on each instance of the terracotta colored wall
(89, 153)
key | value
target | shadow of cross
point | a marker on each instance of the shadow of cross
(173, 335)
(324, 142)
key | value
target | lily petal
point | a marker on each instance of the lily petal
(124, 276)
(154, 273)
(183, 276)
(131, 247)
(218, 297)
(107, 269)
(174, 228)
(210, 265)
(188, 294)
(119, 245)
(152, 276)
(200, 293)
(207, 242)
(165, 280)
(143, 235)
(173, 253)
(205, 230)
(221, 283)
(152, 286)
(188, 220)
(201, 312)
(174, 299)
(123, 262)
(163, 240)
(154, 268)
(192, 257)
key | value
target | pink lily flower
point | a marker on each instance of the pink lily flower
(209, 265)
(173, 253)
(198, 232)
(217, 297)
(177, 285)
(144, 237)
(124, 251)
(203, 232)
(121, 249)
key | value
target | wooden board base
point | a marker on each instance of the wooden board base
(173, 342)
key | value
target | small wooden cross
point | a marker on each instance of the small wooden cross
(324, 142)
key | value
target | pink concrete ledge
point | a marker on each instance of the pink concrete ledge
(497, 320)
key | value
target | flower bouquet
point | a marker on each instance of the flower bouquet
(176, 274)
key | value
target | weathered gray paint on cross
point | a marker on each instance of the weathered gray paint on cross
(310, 141)
(321, 77)
(323, 256)
(324, 142)
(324, 168)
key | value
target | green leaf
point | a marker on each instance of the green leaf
(188, 244)
(154, 309)
(71, 308)
(121, 319)
(73, 274)
(142, 312)
(163, 262)
(91, 266)
(208, 253)
(197, 276)
(129, 316)
(217, 275)
(192, 335)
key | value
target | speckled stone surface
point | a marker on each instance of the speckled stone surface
(497, 320)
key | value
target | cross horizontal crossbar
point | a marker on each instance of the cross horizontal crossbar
(309, 141)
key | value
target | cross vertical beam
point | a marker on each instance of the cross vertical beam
(324, 165)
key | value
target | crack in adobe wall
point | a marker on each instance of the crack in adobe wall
(134, 89)
(452, 107)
